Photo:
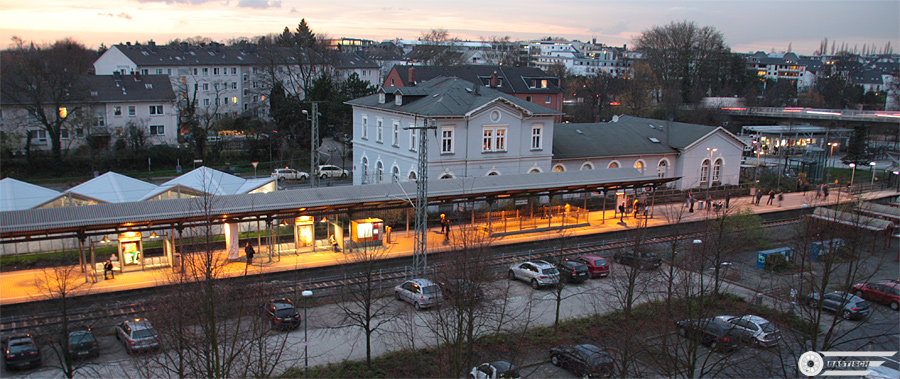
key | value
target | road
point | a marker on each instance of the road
(332, 340)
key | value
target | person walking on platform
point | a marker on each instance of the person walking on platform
(771, 197)
(249, 251)
(825, 192)
(692, 204)
(727, 199)
(687, 198)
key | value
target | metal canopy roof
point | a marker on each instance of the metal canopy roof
(104, 218)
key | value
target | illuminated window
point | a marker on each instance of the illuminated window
(493, 139)
(117, 110)
(63, 112)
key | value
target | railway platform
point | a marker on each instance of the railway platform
(23, 286)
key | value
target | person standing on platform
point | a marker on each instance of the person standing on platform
(780, 198)
(771, 197)
(687, 198)
(727, 199)
(250, 252)
(692, 204)
(825, 192)
(443, 223)
(758, 196)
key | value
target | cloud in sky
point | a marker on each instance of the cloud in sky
(195, 2)
(259, 4)
(120, 15)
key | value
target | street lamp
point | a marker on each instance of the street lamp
(897, 173)
(872, 185)
(852, 175)
(306, 294)
(709, 172)
(830, 159)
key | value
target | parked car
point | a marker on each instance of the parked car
(82, 342)
(283, 314)
(20, 351)
(331, 171)
(538, 273)
(756, 330)
(289, 174)
(639, 259)
(463, 292)
(884, 292)
(571, 271)
(586, 361)
(597, 265)
(845, 304)
(716, 334)
(137, 335)
(494, 370)
(421, 293)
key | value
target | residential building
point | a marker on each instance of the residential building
(477, 131)
(583, 58)
(113, 107)
(527, 83)
(700, 155)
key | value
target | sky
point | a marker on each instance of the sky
(747, 25)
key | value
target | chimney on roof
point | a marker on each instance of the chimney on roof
(412, 76)
(152, 46)
(215, 47)
(137, 76)
(184, 47)
(495, 81)
(128, 43)
(117, 76)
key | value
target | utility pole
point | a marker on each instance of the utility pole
(420, 253)
(314, 143)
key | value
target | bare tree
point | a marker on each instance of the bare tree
(364, 298)
(47, 81)
(61, 286)
(503, 51)
(684, 56)
(437, 48)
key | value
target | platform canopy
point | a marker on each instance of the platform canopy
(18, 195)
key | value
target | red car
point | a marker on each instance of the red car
(884, 292)
(597, 265)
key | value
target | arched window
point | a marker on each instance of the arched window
(639, 165)
(534, 171)
(613, 164)
(662, 169)
(493, 173)
(446, 176)
(395, 174)
(717, 170)
(379, 172)
(412, 176)
(365, 170)
(704, 172)
(559, 168)
(587, 166)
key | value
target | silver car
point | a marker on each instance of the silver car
(422, 293)
(137, 335)
(754, 329)
(537, 273)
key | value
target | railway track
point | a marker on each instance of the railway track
(326, 283)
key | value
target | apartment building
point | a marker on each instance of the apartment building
(113, 107)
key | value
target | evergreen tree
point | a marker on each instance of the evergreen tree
(857, 149)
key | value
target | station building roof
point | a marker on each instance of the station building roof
(102, 218)
(18, 195)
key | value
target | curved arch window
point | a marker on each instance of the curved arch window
(662, 169)
(717, 170)
(587, 166)
(559, 168)
(395, 174)
(613, 164)
(446, 176)
(704, 172)
(639, 165)
(534, 171)
(379, 172)
(412, 175)
(365, 170)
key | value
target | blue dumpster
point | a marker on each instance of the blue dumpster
(824, 247)
(761, 256)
